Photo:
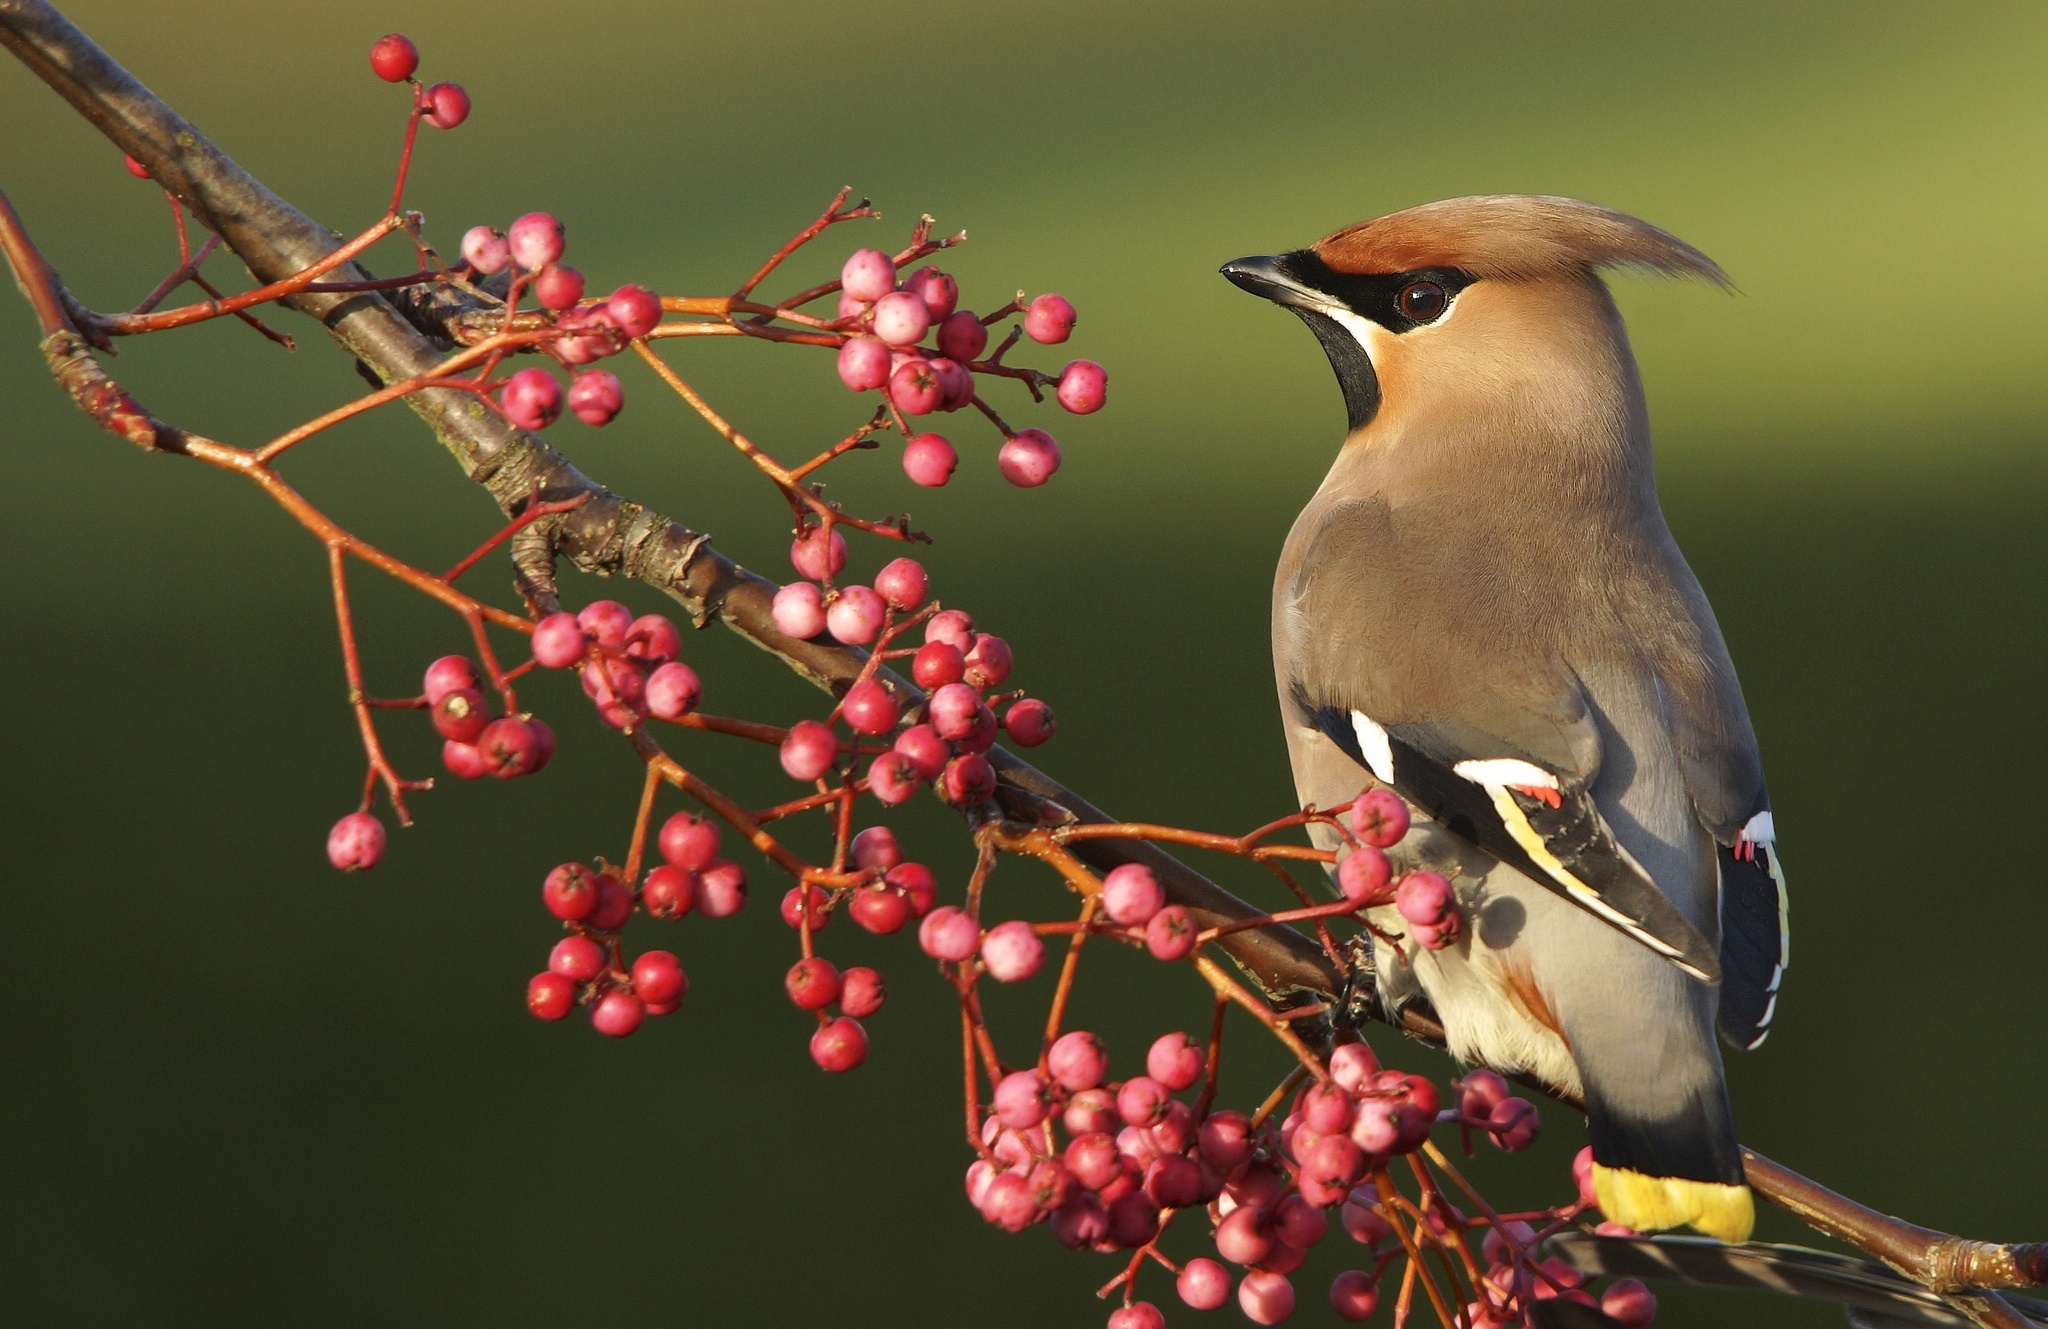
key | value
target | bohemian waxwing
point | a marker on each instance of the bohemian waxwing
(1483, 609)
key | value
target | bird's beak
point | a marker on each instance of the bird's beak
(1267, 275)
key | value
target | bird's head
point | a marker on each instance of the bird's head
(1492, 301)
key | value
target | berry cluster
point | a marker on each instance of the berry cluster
(628, 665)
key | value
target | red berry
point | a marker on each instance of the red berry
(793, 906)
(988, 661)
(461, 715)
(968, 781)
(901, 319)
(550, 996)
(1225, 1139)
(1091, 1111)
(1480, 1092)
(1515, 1124)
(929, 460)
(1049, 320)
(816, 556)
(924, 749)
(653, 639)
(1171, 933)
(531, 399)
(445, 675)
(607, 622)
(936, 664)
(808, 750)
(721, 889)
(596, 396)
(915, 388)
(1326, 1108)
(543, 743)
(918, 885)
(1012, 951)
(356, 842)
(1425, 899)
(1363, 875)
(937, 289)
(948, 934)
(447, 105)
(1362, 1223)
(879, 909)
(1131, 895)
(464, 760)
(1175, 1060)
(558, 641)
(1379, 818)
(1265, 1297)
(902, 584)
(892, 779)
(1628, 1301)
(668, 892)
(617, 1013)
(1203, 1284)
(868, 276)
(135, 168)
(840, 1046)
(1021, 1100)
(875, 848)
(636, 310)
(1029, 722)
(1582, 1174)
(673, 690)
(799, 610)
(861, 992)
(962, 338)
(1353, 1295)
(658, 978)
(869, 708)
(1082, 387)
(576, 958)
(1076, 1061)
(570, 892)
(1028, 458)
(536, 240)
(484, 249)
(688, 841)
(955, 627)
(510, 748)
(956, 383)
(558, 287)
(953, 708)
(864, 363)
(1137, 1315)
(1245, 1236)
(855, 615)
(393, 59)
(614, 904)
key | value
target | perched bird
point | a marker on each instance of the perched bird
(1483, 609)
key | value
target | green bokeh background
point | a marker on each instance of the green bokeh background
(240, 1089)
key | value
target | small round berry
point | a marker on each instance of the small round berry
(1170, 935)
(1352, 1065)
(955, 627)
(1516, 1124)
(929, 460)
(1265, 1297)
(1363, 1223)
(596, 397)
(956, 384)
(988, 661)
(793, 908)
(1380, 818)
(1012, 952)
(1028, 458)
(809, 750)
(861, 993)
(962, 338)
(688, 841)
(952, 710)
(901, 319)
(1137, 1315)
(558, 287)
(879, 909)
(840, 1046)
(915, 389)
(812, 984)
(868, 276)
(607, 622)
(939, 291)
(394, 58)
(635, 309)
(484, 249)
(550, 996)
(1203, 1284)
(948, 934)
(1141, 1100)
(536, 240)
(463, 759)
(531, 399)
(673, 690)
(356, 842)
(1077, 1061)
(1131, 895)
(817, 556)
(135, 168)
(653, 639)
(461, 715)
(1083, 386)
(614, 904)
(918, 885)
(903, 584)
(1022, 1100)
(869, 708)
(1225, 1139)
(1029, 722)
(1363, 875)
(559, 641)
(799, 610)
(926, 751)
(1327, 1109)
(968, 781)
(864, 363)
(892, 778)
(1353, 1295)
(936, 665)
(1425, 899)
(447, 105)
(1480, 1092)
(668, 892)
(1049, 320)
(851, 309)
(1627, 1300)
(875, 848)
(576, 958)
(721, 889)
(855, 615)
(617, 1013)
(1089, 1112)
(658, 978)
(1245, 1236)
(445, 675)
(570, 892)
(1175, 1060)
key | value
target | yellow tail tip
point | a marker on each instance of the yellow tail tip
(1649, 1203)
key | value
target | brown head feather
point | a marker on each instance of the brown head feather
(1512, 236)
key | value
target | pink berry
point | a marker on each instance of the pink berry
(1353, 1295)
(1326, 1109)
(1245, 1236)
(550, 996)
(937, 664)
(813, 984)
(937, 289)
(1582, 1175)
(1363, 1223)
(861, 992)
(461, 715)
(1077, 1061)
(948, 934)
(510, 748)
(918, 885)
(1021, 1100)
(1028, 458)
(356, 842)
(799, 610)
(1131, 895)
(531, 399)
(967, 781)
(1049, 320)
(688, 841)
(536, 240)
(851, 309)
(570, 892)
(1498, 1250)
(608, 622)
(1225, 1139)
(1425, 899)
(1092, 1111)
(929, 460)
(558, 287)
(445, 675)
(1082, 387)
(1331, 1168)
(1363, 875)
(1012, 951)
(869, 708)
(1352, 1065)
(1137, 1315)
(1516, 1124)
(868, 276)
(668, 892)
(463, 759)
(809, 750)
(636, 309)
(1265, 1297)
(1628, 1301)
(576, 958)
(816, 556)
(840, 1046)
(596, 396)
(962, 338)
(1380, 818)
(1480, 1092)
(892, 778)
(901, 319)
(614, 904)
(903, 584)
(875, 849)
(864, 363)
(447, 105)
(1299, 1223)
(879, 909)
(485, 250)
(1141, 1100)
(855, 615)
(1175, 1060)
(1203, 1284)
(135, 168)
(658, 978)
(915, 388)
(954, 627)
(793, 908)
(721, 889)
(926, 751)
(988, 661)
(617, 1013)
(956, 383)
(672, 690)
(394, 58)
(1029, 722)
(1171, 933)
(558, 641)
(953, 709)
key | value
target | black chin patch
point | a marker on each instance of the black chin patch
(1354, 368)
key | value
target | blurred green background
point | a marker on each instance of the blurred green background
(240, 1089)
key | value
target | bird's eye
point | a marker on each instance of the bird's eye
(1421, 301)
